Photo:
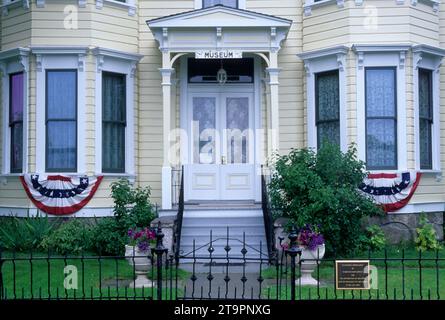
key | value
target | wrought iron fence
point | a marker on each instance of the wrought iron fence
(224, 268)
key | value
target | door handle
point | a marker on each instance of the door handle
(223, 160)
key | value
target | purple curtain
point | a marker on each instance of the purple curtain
(16, 121)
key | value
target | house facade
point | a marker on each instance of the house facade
(216, 87)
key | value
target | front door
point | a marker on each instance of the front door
(222, 144)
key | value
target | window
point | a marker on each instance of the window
(381, 118)
(113, 122)
(425, 118)
(61, 120)
(327, 104)
(16, 121)
(227, 3)
(205, 71)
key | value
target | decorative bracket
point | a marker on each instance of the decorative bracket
(133, 68)
(360, 59)
(39, 62)
(99, 4)
(24, 61)
(218, 37)
(307, 68)
(341, 3)
(341, 61)
(417, 57)
(358, 2)
(81, 62)
(165, 37)
(402, 59)
(100, 63)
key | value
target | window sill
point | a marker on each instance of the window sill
(125, 5)
(14, 4)
(311, 4)
(130, 177)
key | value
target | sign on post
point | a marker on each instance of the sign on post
(352, 275)
(219, 54)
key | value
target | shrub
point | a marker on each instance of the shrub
(374, 239)
(132, 209)
(24, 234)
(71, 238)
(426, 238)
(321, 189)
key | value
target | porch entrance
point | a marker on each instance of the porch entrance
(222, 145)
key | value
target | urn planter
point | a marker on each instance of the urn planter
(309, 261)
(141, 262)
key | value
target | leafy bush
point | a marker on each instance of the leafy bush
(321, 189)
(374, 239)
(426, 238)
(132, 209)
(71, 238)
(24, 234)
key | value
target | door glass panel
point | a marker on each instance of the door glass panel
(204, 130)
(237, 126)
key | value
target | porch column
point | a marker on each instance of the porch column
(166, 167)
(273, 135)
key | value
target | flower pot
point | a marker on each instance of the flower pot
(141, 262)
(309, 261)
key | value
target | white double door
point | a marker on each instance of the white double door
(222, 153)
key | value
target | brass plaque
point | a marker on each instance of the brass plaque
(352, 275)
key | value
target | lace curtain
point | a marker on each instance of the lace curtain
(61, 126)
(328, 108)
(113, 122)
(381, 118)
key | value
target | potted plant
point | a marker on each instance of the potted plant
(138, 254)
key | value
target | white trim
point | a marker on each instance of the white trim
(421, 207)
(9, 4)
(241, 4)
(123, 63)
(42, 3)
(317, 62)
(128, 4)
(382, 56)
(13, 61)
(429, 58)
(60, 58)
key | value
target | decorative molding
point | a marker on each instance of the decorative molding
(14, 4)
(39, 63)
(40, 3)
(417, 57)
(341, 61)
(323, 53)
(309, 4)
(133, 68)
(307, 68)
(99, 51)
(218, 37)
(99, 4)
(99, 63)
(81, 62)
(358, 2)
(128, 4)
(360, 60)
(360, 50)
(400, 2)
(82, 3)
(402, 59)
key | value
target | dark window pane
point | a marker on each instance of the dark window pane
(16, 121)
(61, 125)
(61, 94)
(227, 3)
(113, 122)
(204, 71)
(425, 118)
(381, 150)
(380, 92)
(327, 107)
(61, 145)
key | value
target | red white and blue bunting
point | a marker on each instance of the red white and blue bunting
(391, 190)
(60, 195)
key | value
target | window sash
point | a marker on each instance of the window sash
(334, 119)
(114, 123)
(385, 120)
(16, 96)
(227, 3)
(426, 121)
(70, 156)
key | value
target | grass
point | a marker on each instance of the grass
(104, 278)
(401, 277)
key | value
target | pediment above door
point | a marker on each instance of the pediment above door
(219, 27)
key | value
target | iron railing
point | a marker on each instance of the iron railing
(268, 216)
(243, 273)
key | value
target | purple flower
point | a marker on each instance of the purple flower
(143, 246)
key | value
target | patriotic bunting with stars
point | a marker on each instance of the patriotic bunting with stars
(60, 195)
(391, 190)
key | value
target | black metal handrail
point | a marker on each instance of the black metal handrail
(179, 217)
(268, 217)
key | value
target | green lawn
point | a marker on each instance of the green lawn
(107, 278)
(404, 277)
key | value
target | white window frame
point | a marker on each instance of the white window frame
(429, 58)
(123, 63)
(382, 56)
(128, 5)
(321, 61)
(60, 58)
(241, 4)
(14, 61)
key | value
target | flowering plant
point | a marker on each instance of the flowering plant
(309, 237)
(144, 239)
